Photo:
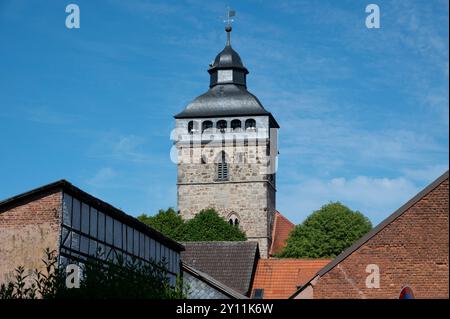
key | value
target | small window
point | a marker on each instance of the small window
(101, 226)
(250, 125)
(222, 168)
(206, 126)
(258, 293)
(67, 210)
(233, 219)
(236, 125)
(192, 127)
(117, 234)
(93, 223)
(221, 126)
(406, 293)
(85, 218)
(109, 230)
(76, 214)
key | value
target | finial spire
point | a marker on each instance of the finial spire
(228, 20)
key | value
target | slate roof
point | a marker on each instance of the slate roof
(280, 232)
(231, 263)
(224, 100)
(200, 275)
(280, 278)
(228, 58)
(399, 212)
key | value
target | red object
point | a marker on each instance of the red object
(280, 278)
(280, 232)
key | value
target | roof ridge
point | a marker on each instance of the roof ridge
(285, 218)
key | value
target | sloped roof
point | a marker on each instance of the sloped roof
(224, 100)
(200, 275)
(65, 186)
(280, 232)
(231, 263)
(399, 212)
(280, 278)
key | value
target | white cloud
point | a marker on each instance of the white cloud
(103, 178)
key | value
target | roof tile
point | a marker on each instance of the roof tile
(280, 278)
(231, 263)
(280, 233)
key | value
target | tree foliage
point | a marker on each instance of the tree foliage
(326, 232)
(207, 225)
(167, 222)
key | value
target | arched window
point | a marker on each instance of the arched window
(207, 125)
(191, 127)
(250, 124)
(233, 219)
(222, 168)
(221, 126)
(406, 293)
(236, 125)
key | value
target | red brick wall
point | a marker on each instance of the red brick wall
(411, 251)
(26, 230)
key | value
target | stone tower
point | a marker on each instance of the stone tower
(226, 145)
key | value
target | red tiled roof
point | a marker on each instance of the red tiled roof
(280, 278)
(281, 229)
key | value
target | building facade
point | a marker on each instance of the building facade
(226, 146)
(405, 256)
(77, 226)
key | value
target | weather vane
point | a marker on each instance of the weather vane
(228, 18)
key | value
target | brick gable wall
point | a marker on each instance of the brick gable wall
(411, 251)
(26, 230)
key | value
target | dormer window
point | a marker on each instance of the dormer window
(207, 126)
(221, 126)
(250, 125)
(236, 125)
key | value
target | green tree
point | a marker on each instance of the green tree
(207, 225)
(326, 232)
(167, 222)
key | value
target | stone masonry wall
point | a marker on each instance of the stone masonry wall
(249, 193)
(25, 231)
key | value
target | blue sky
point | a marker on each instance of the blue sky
(363, 113)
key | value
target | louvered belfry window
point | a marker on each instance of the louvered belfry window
(222, 168)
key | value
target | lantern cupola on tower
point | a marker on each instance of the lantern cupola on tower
(227, 67)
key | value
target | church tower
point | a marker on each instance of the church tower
(226, 144)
